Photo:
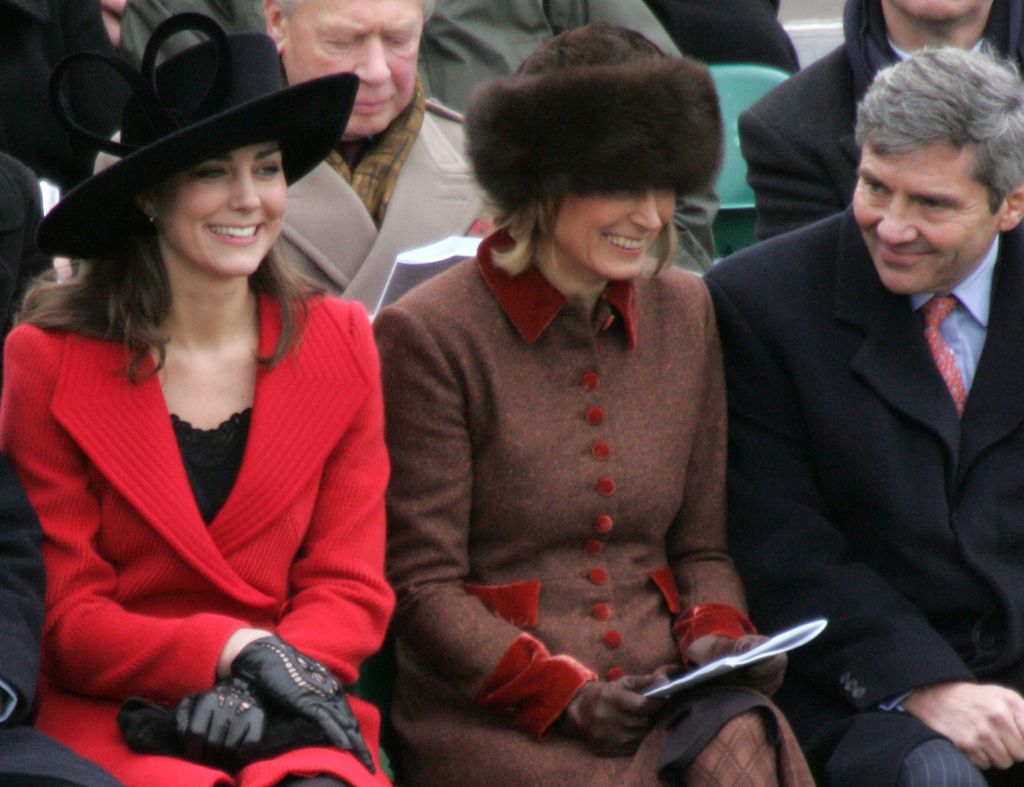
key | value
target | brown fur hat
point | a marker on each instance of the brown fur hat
(595, 110)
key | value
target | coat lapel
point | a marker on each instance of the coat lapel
(995, 406)
(328, 222)
(893, 358)
(434, 197)
(126, 431)
(302, 407)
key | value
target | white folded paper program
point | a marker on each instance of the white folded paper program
(415, 266)
(780, 643)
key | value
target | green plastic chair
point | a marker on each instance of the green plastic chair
(739, 85)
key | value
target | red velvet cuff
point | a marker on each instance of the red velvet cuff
(530, 688)
(703, 619)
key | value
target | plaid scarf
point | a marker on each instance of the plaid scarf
(376, 173)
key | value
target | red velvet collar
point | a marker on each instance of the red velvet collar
(530, 300)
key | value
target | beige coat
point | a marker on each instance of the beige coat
(330, 236)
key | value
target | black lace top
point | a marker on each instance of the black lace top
(212, 459)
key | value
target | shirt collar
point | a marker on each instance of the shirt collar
(532, 302)
(974, 292)
(903, 55)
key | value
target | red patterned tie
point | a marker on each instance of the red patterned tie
(935, 311)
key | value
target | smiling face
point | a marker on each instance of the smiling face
(219, 218)
(601, 238)
(377, 40)
(925, 219)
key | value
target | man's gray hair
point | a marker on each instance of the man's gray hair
(955, 96)
(288, 6)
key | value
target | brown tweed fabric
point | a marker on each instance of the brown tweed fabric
(496, 481)
(376, 173)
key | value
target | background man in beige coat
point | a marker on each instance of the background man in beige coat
(398, 178)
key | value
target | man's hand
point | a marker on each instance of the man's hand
(984, 721)
(612, 718)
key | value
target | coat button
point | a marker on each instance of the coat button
(605, 486)
(614, 674)
(602, 611)
(603, 523)
(593, 546)
(601, 450)
(597, 575)
(612, 638)
(595, 415)
(590, 381)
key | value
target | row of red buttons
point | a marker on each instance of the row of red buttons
(602, 524)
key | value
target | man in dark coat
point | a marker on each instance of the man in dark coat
(876, 455)
(798, 139)
(27, 757)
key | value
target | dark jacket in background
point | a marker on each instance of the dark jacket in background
(20, 259)
(34, 36)
(798, 139)
(728, 31)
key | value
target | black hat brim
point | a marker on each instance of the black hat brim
(306, 120)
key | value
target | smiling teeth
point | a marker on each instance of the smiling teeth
(625, 243)
(235, 232)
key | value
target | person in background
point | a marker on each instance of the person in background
(874, 375)
(398, 177)
(20, 258)
(113, 11)
(34, 36)
(202, 438)
(728, 31)
(139, 18)
(798, 138)
(556, 423)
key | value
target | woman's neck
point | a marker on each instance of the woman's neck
(205, 316)
(571, 286)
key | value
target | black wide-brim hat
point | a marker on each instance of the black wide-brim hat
(210, 99)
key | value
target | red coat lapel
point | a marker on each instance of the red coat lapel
(125, 430)
(302, 408)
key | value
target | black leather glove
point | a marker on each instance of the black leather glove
(221, 726)
(303, 686)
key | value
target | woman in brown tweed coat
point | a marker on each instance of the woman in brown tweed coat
(556, 423)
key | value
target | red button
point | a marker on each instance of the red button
(595, 415)
(605, 486)
(603, 524)
(593, 546)
(602, 611)
(597, 575)
(590, 381)
(612, 638)
(614, 673)
(601, 450)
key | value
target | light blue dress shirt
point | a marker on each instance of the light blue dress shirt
(966, 327)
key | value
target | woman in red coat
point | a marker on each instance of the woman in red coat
(203, 441)
(556, 423)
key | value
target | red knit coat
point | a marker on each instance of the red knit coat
(142, 594)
